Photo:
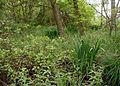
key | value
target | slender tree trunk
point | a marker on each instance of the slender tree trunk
(102, 13)
(57, 17)
(75, 2)
(113, 16)
(80, 25)
(107, 24)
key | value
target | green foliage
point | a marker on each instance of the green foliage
(95, 27)
(95, 78)
(85, 55)
(29, 57)
(33, 54)
(86, 14)
(111, 73)
(32, 60)
(10, 27)
(72, 28)
(51, 32)
(2, 6)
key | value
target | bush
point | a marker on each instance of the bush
(72, 28)
(94, 27)
(51, 32)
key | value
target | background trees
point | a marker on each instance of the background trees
(77, 12)
(49, 13)
(109, 11)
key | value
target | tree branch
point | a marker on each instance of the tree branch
(105, 10)
(117, 7)
(97, 10)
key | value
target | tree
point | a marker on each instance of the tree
(101, 13)
(77, 14)
(110, 20)
(113, 16)
(75, 2)
(61, 13)
(57, 17)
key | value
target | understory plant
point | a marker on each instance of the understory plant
(85, 55)
(111, 73)
(51, 32)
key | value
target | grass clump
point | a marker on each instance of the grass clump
(111, 73)
(85, 55)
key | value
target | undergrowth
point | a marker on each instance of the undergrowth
(36, 56)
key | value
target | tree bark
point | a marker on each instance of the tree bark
(57, 17)
(80, 25)
(102, 13)
(75, 2)
(113, 16)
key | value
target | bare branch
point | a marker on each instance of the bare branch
(117, 3)
(97, 10)
(117, 7)
(105, 10)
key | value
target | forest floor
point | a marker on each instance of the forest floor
(36, 58)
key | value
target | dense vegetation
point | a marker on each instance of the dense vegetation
(38, 50)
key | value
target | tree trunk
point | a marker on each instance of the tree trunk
(107, 11)
(80, 25)
(113, 16)
(57, 17)
(102, 13)
(75, 2)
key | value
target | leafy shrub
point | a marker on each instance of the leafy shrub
(72, 28)
(11, 28)
(51, 32)
(94, 27)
